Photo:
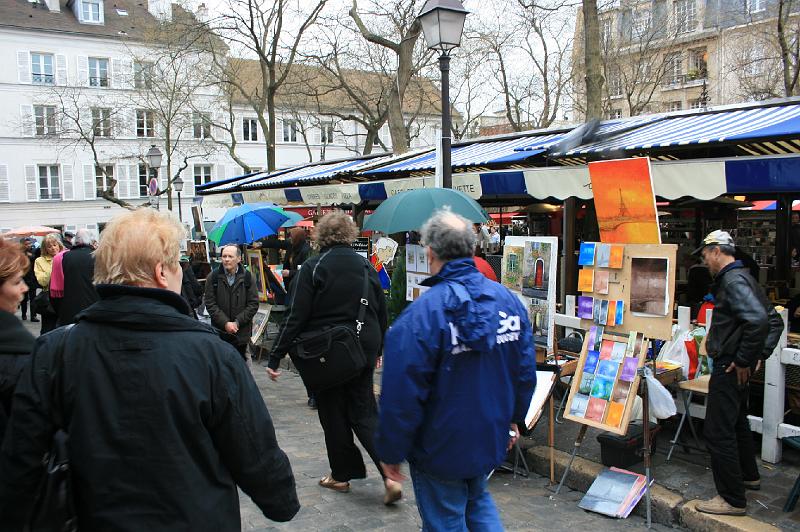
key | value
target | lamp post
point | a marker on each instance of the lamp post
(442, 23)
(154, 162)
(177, 184)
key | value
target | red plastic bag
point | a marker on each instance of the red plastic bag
(691, 349)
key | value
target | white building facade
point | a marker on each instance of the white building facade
(85, 56)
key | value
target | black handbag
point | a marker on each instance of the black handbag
(41, 303)
(54, 509)
(333, 355)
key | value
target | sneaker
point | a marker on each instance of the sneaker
(312, 403)
(719, 506)
(754, 485)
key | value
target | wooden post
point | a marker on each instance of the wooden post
(552, 441)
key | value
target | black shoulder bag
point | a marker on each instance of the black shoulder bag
(54, 508)
(332, 355)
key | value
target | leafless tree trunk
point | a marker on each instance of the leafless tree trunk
(592, 60)
(790, 48)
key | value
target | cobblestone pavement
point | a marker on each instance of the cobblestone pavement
(524, 503)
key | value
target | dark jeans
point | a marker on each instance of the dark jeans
(27, 301)
(727, 432)
(344, 410)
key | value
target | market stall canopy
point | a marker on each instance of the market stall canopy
(411, 209)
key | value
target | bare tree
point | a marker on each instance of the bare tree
(789, 42)
(592, 54)
(264, 30)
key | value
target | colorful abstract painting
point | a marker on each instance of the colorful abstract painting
(601, 281)
(585, 304)
(586, 280)
(602, 387)
(592, 358)
(579, 404)
(615, 259)
(595, 409)
(624, 201)
(586, 255)
(614, 414)
(629, 367)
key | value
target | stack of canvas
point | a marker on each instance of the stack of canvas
(615, 492)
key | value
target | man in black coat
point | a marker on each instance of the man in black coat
(297, 251)
(744, 332)
(232, 299)
(164, 419)
(30, 280)
(191, 290)
(78, 267)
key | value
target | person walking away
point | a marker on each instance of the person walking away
(16, 342)
(30, 281)
(78, 268)
(744, 331)
(191, 290)
(43, 269)
(231, 299)
(164, 420)
(297, 251)
(459, 372)
(324, 294)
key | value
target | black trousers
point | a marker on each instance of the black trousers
(344, 410)
(49, 322)
(727, 432)
(27, 301)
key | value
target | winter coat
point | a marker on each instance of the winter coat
(459, 367)
(237, 303)
(191, 290)
(164, 421)
(327, 292)
(296, 256)
(16, 344)
(42, 269)
(79, 291)
(745, 326)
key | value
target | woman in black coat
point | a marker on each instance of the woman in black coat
(16, 342)
(327, 291)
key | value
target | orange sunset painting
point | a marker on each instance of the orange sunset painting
(624, 201)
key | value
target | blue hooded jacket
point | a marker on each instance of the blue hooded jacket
(459, 367)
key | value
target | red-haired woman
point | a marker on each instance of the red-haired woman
(16, 342)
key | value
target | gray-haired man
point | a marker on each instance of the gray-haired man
(744, 330)
(78, 268)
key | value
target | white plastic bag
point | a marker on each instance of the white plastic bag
(662, 405)
(674, 351)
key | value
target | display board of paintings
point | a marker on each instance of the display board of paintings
(627, 287)
(417, 270)
(256, 266)
(529, 270)
(606, 380)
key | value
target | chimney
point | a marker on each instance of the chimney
(53, 5)
(202, 13)
(161, 9)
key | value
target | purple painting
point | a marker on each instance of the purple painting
(585, 307)
(629, 366)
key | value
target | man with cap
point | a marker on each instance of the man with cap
(744, 331)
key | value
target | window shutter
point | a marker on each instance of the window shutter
(116, 73)
(4, 190)
(89, 185)
(26, 117)
(83, 70)
(24, 67)
(102, 13)
(123, 186)
(162, 178)
(68, 191)
(188, 183)
(133, 180)
(61, 69)
(31, 191)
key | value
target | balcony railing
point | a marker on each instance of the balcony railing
(683, 79)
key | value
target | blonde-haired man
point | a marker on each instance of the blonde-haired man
(164, 419)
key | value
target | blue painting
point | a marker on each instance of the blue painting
(586, 256)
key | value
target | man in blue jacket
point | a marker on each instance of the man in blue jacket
(459, 371)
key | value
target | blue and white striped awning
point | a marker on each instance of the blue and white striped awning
(476, 154)
(739, 125)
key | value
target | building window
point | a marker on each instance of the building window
(641, 23)
(326, 133)
(45, 119)
(49, 187)
(697, 104)
(605, 30)
(98, 72)
(685, 15)
(615, 83)
(202, 174)
(290, 128)
(614, 114)
(754, 6)
(698, 68)
(201, 125)
(90, 10)
(143, 181)
(673, 69)
(145, 123)
(103, 176)
(101, 122)
(250, 129)
(674, 106)
(142, 74)
(42, 69)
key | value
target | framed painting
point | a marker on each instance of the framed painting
(256, 266)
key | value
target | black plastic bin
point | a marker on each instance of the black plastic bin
(625, 451)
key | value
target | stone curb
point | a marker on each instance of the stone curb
(668, 507)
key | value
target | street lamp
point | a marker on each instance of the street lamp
(442, 23)
(154, 161)
(177, 184)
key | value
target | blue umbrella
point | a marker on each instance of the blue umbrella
(294, 217)
(408, 210)
(247, 223)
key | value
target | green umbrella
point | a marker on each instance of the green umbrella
(408, 210)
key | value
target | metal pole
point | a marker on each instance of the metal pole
(444, 66)
(180, 211)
